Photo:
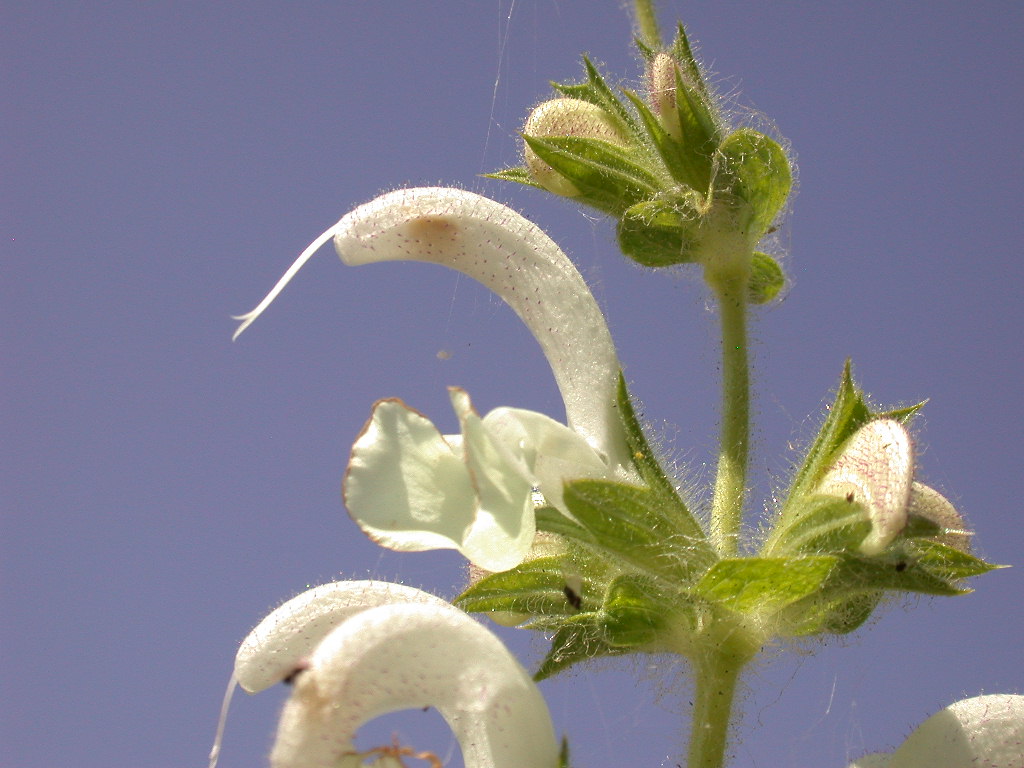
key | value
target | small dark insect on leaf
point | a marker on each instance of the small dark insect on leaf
(574, 599)
(901, 566)
(849, 497)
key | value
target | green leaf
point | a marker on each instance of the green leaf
(815, 615)
(607, 176)
(578, 639)
(646, 462)
(550, 520)
(688, 161)
(755, 169)
(534, 588)
(652, 233)
(748, 583)
(634, 612)
(846, 415)
(683, 53)
(766, 279)
(857, 584)
(518, 175)
(629, 527)
(948, 563)
(819, 524)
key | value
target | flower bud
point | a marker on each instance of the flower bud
(661, 82)
(562, 118)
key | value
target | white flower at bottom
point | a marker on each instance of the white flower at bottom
(352, 661)
(983, 731)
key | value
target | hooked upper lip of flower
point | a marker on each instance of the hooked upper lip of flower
(411, 488)
(514, 258)
(369, 648)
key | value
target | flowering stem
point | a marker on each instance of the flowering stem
(730, 482)
(647, 20)
(717, 674)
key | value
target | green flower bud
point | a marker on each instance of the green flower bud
(563, 118)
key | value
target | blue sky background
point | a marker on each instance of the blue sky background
(163, 488)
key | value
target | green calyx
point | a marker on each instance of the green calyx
(637, 572)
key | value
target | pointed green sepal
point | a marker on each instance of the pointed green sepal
(634, 612)
(577, 639)
(629, 526)
(817, 524)
(563, 754)
(848, 413)
(766, 279)
(534, 588)
(596, 91)
(689, 162)
(660, 232)
(605, 175)
(946, 562)
(646, 461)
(857, 585)
(682, 52)
(754, 169)
(518, 175)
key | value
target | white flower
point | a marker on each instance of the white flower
(876, 468)
(984, 731)
(357, 650)
(411, 488)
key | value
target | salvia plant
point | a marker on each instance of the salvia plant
(576, 530)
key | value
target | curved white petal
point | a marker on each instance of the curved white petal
(876, 466)
(503, 527)
(552, 452)
(982, 731)
(514, 258)
(403, 656)
(410, 489)
(285, 638)
(405, 486)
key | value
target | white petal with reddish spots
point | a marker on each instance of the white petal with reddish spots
(876, 466)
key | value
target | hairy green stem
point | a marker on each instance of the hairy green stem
(647, 21)
(734, 449)
(717, 674)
